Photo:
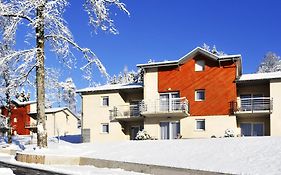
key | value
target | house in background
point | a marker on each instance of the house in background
(19, 117)
(59, 121)
(197, 96)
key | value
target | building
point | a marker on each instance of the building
(197, 96)
(59, 121)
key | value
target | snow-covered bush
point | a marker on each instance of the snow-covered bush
(228, 133)
(142, 135)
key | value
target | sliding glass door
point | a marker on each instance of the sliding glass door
(169, 130)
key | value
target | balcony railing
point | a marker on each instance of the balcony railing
(30, 125)
(125, 112)
(174, 105)
(253, 105)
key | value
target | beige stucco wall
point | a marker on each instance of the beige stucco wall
(214, 125)
(33, 107)
(275, 117)
(150, 88)
(61, 123)
(94, 114)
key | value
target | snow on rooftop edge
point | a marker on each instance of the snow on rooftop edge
(260, 76)
(111, 87)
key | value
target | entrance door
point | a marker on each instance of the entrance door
(169, 130)
(252, 129)
(165, 130)
(134, 132)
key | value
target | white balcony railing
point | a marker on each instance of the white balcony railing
(125, 111)
(254, 104)
(165, 106)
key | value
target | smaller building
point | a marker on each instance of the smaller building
(59, 121)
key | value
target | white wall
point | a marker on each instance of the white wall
(151, 86)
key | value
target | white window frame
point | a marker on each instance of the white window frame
(198, 91)
(104, 124)
(102, 98)
(200, 120)
(199, 65)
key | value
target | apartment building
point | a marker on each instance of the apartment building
(59, 121)
(197, 96)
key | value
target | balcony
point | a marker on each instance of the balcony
(174, 107)
(125, 113)
(258, 105)
(31, 125)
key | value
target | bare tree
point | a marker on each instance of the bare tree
(45, 20)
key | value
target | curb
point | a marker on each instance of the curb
(101, 163)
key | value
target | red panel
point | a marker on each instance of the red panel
(217, 80)
(21, 113)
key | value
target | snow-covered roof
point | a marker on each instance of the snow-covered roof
(111, 87)
(55, 110)
(260, 76)
(19, 103)
(189, 55)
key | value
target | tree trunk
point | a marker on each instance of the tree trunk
(40, 79)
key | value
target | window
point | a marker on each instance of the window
(105, 101)
(104, 128)
(15, 120)
(199, 65)
(200, 95)
(200, 124)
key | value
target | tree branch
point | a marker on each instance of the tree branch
(18, 16)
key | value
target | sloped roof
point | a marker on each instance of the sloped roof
(19, 103)
(111, 87)
(260, 76)
(55, 110)
(187, 56)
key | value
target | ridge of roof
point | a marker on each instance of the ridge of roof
(111, 87)
(186, 56)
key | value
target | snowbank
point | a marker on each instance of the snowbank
(251, 155)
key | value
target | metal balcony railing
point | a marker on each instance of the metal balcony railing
(165, 106)
(125, 111)
(252, 105)
(30, 125)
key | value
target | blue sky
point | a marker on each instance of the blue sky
(166, 30)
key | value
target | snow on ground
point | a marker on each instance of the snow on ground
(245, 155)
(67, 169)
(6, 171)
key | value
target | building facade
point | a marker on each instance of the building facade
(201, 95)
(59, 121)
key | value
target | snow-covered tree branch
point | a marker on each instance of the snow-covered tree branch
(270, 63)
(45, 24)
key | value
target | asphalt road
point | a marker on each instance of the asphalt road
(19, 170)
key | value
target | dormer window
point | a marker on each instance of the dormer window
(199, 65)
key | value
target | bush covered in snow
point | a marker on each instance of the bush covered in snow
(228, 133)
(142, 135)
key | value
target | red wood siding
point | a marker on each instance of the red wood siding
(21, 113)
(218, 82)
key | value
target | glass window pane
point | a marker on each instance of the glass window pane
(246, 129)
(199, 65)
(105, 128)
(105, 101)
(257, 129)
(200, 124)
(200, 95)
